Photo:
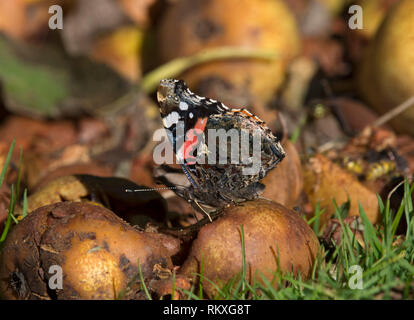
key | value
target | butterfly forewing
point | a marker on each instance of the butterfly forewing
(184, 115)
(188, 119)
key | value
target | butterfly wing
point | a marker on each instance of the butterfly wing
(184, 115)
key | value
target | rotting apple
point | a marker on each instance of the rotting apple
(97, 252)
(273, 234)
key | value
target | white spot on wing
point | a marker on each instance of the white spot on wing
(224, 106)
(191, 115)
(211, 101)
(183, 105)
(170, 119)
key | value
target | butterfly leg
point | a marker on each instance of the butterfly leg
(278, 153)
(230, 201)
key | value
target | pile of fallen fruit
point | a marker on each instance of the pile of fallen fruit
(83, 112)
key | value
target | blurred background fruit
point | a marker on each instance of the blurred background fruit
(138, 10)
(191, 26)
(374, 12)
(386, 76)
(28, 19)
(121, 49)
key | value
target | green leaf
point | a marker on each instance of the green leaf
(43, 81)
(36, 88)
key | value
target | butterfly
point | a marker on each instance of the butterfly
(208, 138)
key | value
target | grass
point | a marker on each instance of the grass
(14, 194)
(380, 268)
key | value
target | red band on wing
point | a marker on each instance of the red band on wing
(192, 139)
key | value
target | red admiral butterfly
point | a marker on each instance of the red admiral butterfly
(190, 121)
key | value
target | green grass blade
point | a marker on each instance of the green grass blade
(141, 278)
(24, 213)
(19, 173)
(9, 216)
(380, 203)
(243, 259)
(369, 231)
(173, 287)
(6, 164)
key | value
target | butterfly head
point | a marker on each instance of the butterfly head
(174, 100)
(169, 95)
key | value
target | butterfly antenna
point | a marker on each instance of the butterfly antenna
(150, 189)
(156, 189)
(189, 177)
